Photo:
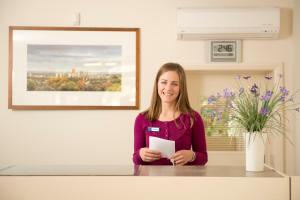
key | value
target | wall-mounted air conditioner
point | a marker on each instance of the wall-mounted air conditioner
(228, 23)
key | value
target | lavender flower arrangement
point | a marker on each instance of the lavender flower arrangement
(255, 109)
(215, 114)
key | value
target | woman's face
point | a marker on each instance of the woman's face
(168, 87)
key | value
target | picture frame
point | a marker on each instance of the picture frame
(66, 68)
(225, 51)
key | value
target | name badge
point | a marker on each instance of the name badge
(153, 129)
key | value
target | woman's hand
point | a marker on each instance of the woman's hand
(182, 157)
(148, 155)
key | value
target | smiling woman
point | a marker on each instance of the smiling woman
(170, 117)
(168, 87)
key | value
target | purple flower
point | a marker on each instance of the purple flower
(284, 91)
(238, 77)
(254, 89)
(212, 115)
(267, 96)
(219, 116)
(269, 93)
(211, 99)
(264, 111)
(282, 98)
(228, 93)
(268, 77)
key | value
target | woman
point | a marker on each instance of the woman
(170, 117)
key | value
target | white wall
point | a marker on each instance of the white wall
(92, 137)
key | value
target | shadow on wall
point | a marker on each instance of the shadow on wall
(286, 23)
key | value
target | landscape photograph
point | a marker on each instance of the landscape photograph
(74, 67)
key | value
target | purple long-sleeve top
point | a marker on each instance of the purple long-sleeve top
(178, 130)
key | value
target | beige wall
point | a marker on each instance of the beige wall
(296, 68)
(92, 137)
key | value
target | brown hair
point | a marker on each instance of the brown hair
(182, 104)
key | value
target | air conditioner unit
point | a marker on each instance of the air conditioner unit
(228, 23)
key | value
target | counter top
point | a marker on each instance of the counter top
(143, 170)
(69, 170)
(205, 171)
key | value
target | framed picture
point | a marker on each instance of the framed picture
(73, 68)
(225, 51)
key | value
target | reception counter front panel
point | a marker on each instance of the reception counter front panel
(140, 182)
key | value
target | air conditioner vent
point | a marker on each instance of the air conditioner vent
(233, 23)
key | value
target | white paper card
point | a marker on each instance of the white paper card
(166, 147)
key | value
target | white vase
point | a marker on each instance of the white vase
(255, 151)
